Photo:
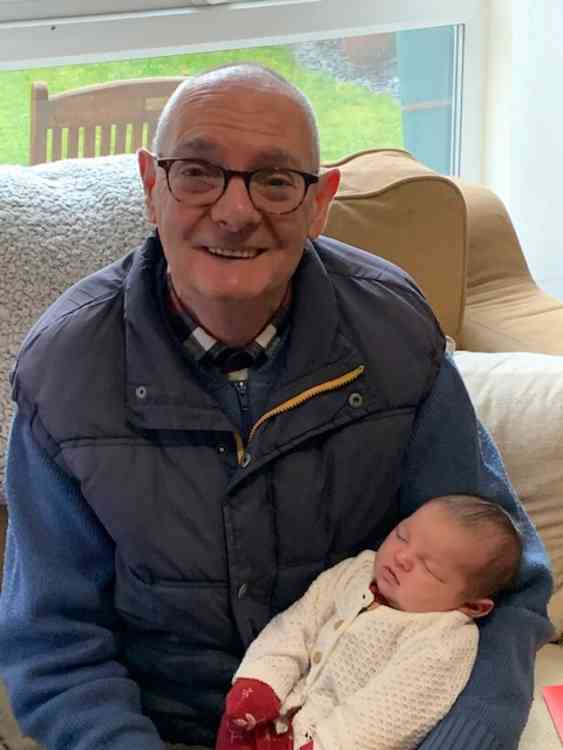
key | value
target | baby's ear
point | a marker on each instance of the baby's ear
(477, 607)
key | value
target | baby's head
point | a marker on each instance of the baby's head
(455, 552)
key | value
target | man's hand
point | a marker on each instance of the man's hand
(251, 702)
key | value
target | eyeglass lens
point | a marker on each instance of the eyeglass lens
(197, 184)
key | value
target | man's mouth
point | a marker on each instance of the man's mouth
(241, 253)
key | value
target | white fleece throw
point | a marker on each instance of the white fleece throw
(58, 223)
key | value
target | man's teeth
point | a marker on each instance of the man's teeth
(250, 253)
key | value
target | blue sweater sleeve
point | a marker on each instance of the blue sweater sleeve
(59, 655)
(452, 453)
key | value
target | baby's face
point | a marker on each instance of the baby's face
(426, 563)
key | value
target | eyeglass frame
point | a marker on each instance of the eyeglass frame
(166, 163)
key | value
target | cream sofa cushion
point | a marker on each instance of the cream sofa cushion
(519, 397)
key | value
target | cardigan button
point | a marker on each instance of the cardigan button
(317, 656)
(338, 624)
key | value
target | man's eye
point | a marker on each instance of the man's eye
(193, 170)
(275, 179)
(400, 534)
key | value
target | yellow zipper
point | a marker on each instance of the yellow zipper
(240, 448)
(292, 403)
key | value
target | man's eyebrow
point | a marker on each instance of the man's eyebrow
(277, 157)
(270, 157)
(200, 146)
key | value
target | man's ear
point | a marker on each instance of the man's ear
(325, 192)
(477, 607)
(147, 171)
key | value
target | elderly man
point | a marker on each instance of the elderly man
(210, 422)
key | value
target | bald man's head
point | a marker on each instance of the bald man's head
(238, 146)
(236, 78)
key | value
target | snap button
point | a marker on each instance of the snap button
(338, 624)
(246, 459)
(355, 400)
(317, 656)
(243, 589)
(221, 448)
(141, 392)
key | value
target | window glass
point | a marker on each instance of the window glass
(386, 90)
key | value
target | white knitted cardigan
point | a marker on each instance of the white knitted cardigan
(363, 680)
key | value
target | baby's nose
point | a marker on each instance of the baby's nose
(404, 560)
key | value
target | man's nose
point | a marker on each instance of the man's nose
(234, 209)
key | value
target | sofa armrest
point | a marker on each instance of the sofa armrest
(505, 310)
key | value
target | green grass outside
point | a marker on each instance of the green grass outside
(350, 117)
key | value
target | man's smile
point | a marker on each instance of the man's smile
(241, 253)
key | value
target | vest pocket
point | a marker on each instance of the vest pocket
(197, 612)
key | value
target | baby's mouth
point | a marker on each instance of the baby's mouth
(391, 573)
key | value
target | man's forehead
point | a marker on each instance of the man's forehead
(207, 115)
(255, 100)
(208, 148)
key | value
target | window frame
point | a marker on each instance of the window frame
(149, 29)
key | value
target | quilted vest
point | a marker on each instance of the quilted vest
(212, 537)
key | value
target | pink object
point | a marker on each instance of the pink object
(553, 696)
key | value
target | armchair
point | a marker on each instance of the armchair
(63, 220)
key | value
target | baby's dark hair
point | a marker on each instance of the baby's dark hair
(500, 569)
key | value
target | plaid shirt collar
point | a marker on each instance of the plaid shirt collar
(206, 350)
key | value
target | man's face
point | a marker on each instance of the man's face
(426, 563)
(229, 251)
